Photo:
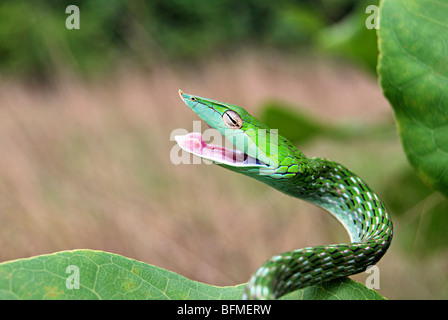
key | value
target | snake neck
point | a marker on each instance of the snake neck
(342, 193)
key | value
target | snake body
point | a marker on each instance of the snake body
(259, 152)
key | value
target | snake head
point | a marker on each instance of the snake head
(249, 146)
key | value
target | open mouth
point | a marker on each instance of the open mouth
(194, 143)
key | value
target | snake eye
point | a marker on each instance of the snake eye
(193, 99)
(232, 119)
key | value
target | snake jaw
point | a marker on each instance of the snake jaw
(194, 143)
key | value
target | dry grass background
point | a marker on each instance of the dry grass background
(88, 166)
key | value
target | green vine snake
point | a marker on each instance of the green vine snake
(259, 152)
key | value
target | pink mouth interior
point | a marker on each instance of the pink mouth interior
(194, 143)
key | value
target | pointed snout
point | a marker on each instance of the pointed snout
(184, 95)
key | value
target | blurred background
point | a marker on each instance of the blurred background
(86, 117)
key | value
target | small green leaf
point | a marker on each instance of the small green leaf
(300, 127)
(351, 39)
(296, 126)
(103, 275)
(413, 69)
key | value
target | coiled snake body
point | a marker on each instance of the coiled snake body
(261, 153)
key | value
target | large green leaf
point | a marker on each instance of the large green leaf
(104, 275)
(413, 69)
